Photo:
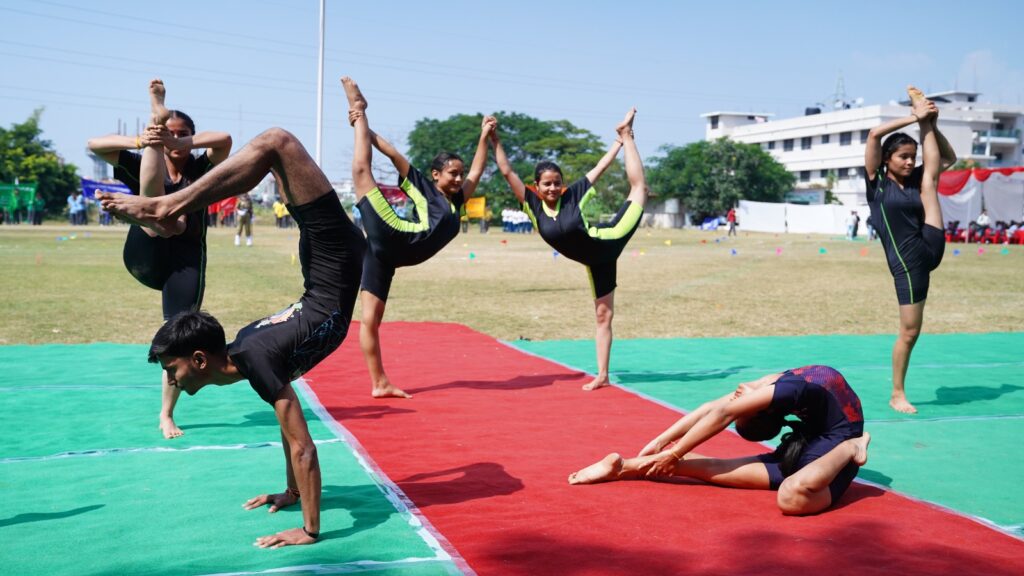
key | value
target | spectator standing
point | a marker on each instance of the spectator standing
(243, 208)
(731, 219)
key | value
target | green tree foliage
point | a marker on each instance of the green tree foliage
(26, 156)
(527, 141)
(711, 177)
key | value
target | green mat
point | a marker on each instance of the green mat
(91, 487)
(960, 451)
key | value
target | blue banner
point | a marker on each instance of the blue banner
(91, 187)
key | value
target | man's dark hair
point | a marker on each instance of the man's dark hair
(185, 333)
(545, 166)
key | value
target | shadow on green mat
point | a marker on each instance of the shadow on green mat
(875, 476)
(262, 418)
(43, 516)
(627, 377)
(956, 395)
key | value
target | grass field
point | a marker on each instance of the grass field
(672, 283)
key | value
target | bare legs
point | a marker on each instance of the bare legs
(604, 311)
(373, 307)
(634, 166)
(362, 152)
(369, 341)
(804, 492)
(275, 150)
(911, 319)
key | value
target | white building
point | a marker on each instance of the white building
(813, 145)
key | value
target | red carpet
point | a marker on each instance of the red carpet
(485, 446)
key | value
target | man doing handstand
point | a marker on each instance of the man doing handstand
(271, 352)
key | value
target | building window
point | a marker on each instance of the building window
(845, 138)
(771, 145)
(787, 145)
(805, 175)
(864, 136)
(823, 173)
(824, 138)
(714, 122)
(805, 143)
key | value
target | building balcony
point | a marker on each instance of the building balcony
(999, 137)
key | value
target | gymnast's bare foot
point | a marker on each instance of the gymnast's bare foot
(140, 210)
(899, 403)
(356, 101)
(157, 92)
(860, 457)
(625, 128)
(604, 471)
(598, 382)
(169, 428)
(385, 389)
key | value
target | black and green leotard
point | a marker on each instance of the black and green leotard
(596, 246)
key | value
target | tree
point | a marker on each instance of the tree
(711, 177)
(527, 141)
(26, 156)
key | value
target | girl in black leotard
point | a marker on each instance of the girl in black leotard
(174, 263)
(906, 214)
(557, 213)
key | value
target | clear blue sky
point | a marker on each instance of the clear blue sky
(244, 66)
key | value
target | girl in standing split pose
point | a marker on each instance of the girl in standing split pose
(174, 259)
(557, 213)
(905, 212)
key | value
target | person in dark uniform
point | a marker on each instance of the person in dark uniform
(557, 213)
(275, 350)
(393, 241)
(175, 263)
(906, 214)
(812, 467)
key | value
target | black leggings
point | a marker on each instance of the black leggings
(175, 266)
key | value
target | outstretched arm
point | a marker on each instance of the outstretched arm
(476, 169)
(604, 162)
(683, 425)
(385, 147)
(304, 466)
(873, 149)
(717, 418)
(517, 186)
(108, 147)
(945, 149)
(217, 144)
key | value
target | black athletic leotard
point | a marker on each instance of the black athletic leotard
(394, 242)
(595, 246)
(912, 247)
(177, 265)
(273, 351)
(831, 413)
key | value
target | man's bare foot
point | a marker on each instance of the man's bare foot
(356, 101)
(899, 403)
(169, 428)
(157, 92)
(860, 458)
(139, 210)
(625, 128)
(598, 382)
(604, 471)
(389, 390)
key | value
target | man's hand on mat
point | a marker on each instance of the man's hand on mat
(276, 501)
(293, 537)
